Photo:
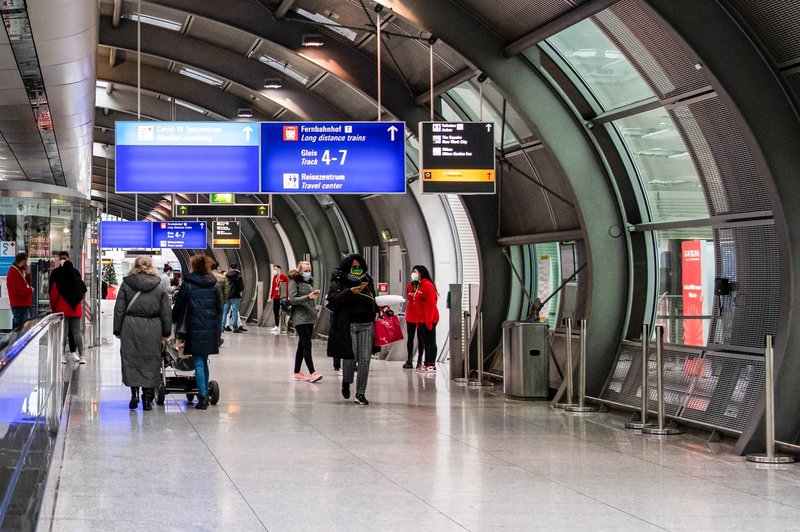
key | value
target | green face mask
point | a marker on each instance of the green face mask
(357, 271)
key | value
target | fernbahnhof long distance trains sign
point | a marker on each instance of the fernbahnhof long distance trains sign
(260, 157)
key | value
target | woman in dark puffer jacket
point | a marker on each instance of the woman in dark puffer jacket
(198, 306)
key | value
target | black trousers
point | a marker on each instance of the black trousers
(411, 330)
(276, 310)
(427, 341)
(303, 347)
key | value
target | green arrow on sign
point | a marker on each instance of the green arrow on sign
(182, 209)
(223, 198)
(262, 210)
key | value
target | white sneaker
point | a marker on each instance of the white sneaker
(63, 358)
(75, 357)
(275, 329)
(81, 360)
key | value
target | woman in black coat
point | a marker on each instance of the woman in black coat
(351, 299)
(197, 313)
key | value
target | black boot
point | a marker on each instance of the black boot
(408, 365)
(346, 390)
(134, 404)
(148, 394)
(202, 402)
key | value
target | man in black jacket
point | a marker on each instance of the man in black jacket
(236, 285)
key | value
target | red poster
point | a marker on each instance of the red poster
(692, 281)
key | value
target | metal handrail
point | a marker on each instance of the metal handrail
(29, 331)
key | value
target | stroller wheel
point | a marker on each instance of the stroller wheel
(160, 395)
(213, 392)
(190, 397)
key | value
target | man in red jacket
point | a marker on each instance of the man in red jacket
(20, 291)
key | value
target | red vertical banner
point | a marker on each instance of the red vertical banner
(692, 282)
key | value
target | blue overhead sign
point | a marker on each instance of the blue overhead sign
(333, 157)
(180, 235)
(191, 157)
(126, 235)
(152, 235)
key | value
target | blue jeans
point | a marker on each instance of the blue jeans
(232, 305)
(201, 374)
(21, 315)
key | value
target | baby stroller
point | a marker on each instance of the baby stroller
(177, 374)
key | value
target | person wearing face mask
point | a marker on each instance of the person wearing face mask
(20, 291)
(351, 298)
(279, 290)
(166, 279)
(63, 256)
(66, 296)
(302, 297)
(422, 315)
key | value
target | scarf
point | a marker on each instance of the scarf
(69, 284)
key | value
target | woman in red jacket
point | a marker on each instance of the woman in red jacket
(67, 291)
(422, 315)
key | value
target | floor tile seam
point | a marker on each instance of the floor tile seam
(557, 483)
(378, 471)
(692, 475)
(225, 471)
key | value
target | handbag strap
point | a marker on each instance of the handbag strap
(135, 297)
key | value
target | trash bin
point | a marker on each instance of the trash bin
(525, 360)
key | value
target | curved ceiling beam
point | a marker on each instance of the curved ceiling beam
(152, 107)
(568, 140)
(342, 60)
(229, 65)
(181, 87)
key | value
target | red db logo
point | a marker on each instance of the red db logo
(290, 133)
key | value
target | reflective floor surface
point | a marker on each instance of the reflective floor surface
(425, 455)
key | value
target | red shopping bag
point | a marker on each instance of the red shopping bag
(387, 329)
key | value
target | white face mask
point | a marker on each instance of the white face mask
(414, 276)
(61, 262)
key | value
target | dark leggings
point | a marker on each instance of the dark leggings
(411, 329)
(276, 311)
(427, 342)
(303, 347)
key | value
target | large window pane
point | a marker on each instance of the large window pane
(470, 101)
(603, 68)
(664, 166)
(686, 285)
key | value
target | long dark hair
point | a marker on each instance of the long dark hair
(423, 272)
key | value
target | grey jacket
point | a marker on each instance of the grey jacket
(304, 310)
(140, 327)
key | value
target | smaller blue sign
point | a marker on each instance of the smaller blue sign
(180, 235)
(126, 235)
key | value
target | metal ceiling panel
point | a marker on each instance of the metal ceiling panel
(15, 97)
(294, 61)
(343, 96)
(346, 13)
(221, 35)
(512, 19)
(776, 24)
(7, 60)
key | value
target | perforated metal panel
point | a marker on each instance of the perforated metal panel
(724, 162)
(725, 390)
(650, 49)
(512, 19)
(748, 256)
(342, 96)
(718, 389)
(775, 23)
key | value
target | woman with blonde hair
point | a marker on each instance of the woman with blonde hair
(198, 310)
(304, 315)
(142, 317)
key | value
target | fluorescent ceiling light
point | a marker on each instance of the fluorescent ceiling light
(313, 40)
(199, 76)
(272, 83)
(190, 106)
(245, 113)
(316, 17)
(283, 67)
(156, 21)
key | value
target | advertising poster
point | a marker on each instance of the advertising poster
(692, 293)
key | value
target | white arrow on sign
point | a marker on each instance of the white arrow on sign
(202, 225)
(392, 130)
(488, 128)
(247, 131)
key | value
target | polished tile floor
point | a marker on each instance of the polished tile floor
(426, 455)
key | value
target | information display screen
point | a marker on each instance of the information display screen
(226, 235)
(191, 157)
(151, 235)
(180, 235)
(126, 235)
(457, 157)
(333, 157)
